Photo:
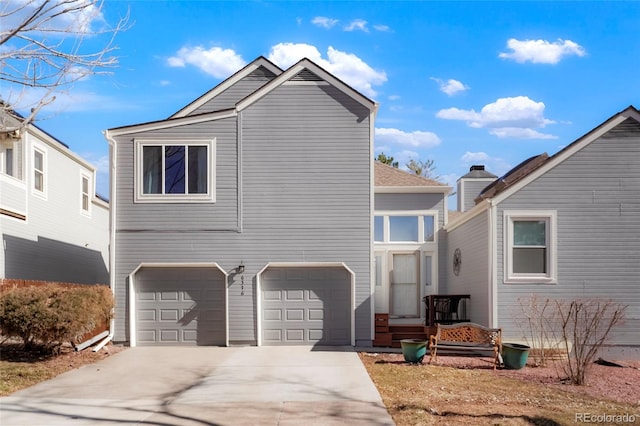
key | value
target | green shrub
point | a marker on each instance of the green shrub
(53, 314)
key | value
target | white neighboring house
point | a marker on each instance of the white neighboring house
(53, 225)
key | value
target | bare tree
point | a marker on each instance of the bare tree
(44, 50)
(586, 324)
(423, 168)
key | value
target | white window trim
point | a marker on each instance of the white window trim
(209, 197)
(421, 214)
(90, 191)
(550, 216)
(34, 191)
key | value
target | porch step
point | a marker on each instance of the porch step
(398, 332)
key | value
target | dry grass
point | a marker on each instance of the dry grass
(20, 369)
(428, 394)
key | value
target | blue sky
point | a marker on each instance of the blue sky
(460, 83)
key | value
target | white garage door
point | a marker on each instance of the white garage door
(180, 306)
(306, 306)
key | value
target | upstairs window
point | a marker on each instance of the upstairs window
(530, 247)
(175, 172)
(11, 157)
(39, 171)
(85, 203)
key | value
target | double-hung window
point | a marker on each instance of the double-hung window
(169, 171)
(39, 172)
(530, 246)
(85, 190)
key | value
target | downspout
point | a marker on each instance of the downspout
(106, 339)
(112, 226)
(493, 265)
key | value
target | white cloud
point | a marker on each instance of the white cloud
(324, 22)
(346, 66)
(215, 61)
(496, 165)
(357, 24)
(474, 157)
(515, 117)
(451, 86)
(382, 28)
(519, 133)
(541, 51)
(414, 139)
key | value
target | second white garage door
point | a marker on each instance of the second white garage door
(306, 306)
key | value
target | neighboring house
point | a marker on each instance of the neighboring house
(246, 217)
(565, 226)
(52, 224)
(409, 248)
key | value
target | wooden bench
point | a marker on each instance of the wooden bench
(466, 336)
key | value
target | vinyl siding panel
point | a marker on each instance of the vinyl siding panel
(221, 215)
(473, 240)
(596, 193)
(305, 188)
(243, 88)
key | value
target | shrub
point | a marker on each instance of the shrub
(587, 324)
(54, 314)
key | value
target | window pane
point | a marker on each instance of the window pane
(530, 260)
(198, 170)
(85, 185)
(8, 168)
(38, 161)
(174, 169)
(38, 182)
(403, 228)
(529, 233)
(428, 228)
(85, 194)
(152, 169)
(378, 228)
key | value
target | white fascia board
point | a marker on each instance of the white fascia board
(226, 84)
(44, 137)
(413, 189)
(563, 155)
(468, 215)
(172, 122)
(292, 72)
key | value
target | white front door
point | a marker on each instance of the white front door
(404, 297)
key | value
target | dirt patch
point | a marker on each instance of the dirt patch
(467, 391)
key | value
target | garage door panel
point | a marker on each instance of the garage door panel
(180, 306)
(306, 306)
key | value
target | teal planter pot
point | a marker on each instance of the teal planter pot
(515, 355)
(413, 350)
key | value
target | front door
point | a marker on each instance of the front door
(404, 300)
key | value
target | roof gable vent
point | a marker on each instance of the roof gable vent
(306, 75)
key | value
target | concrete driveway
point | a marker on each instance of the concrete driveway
(206, 386)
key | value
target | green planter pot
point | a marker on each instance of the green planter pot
(413, 349)
(515, 355)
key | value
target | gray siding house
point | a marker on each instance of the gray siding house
(246, 217)
(565, 226)
(53, 225)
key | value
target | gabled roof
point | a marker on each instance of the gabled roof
(261, 61)
(534, 167)
(321, 74)
(180, 118)
(392, 179)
